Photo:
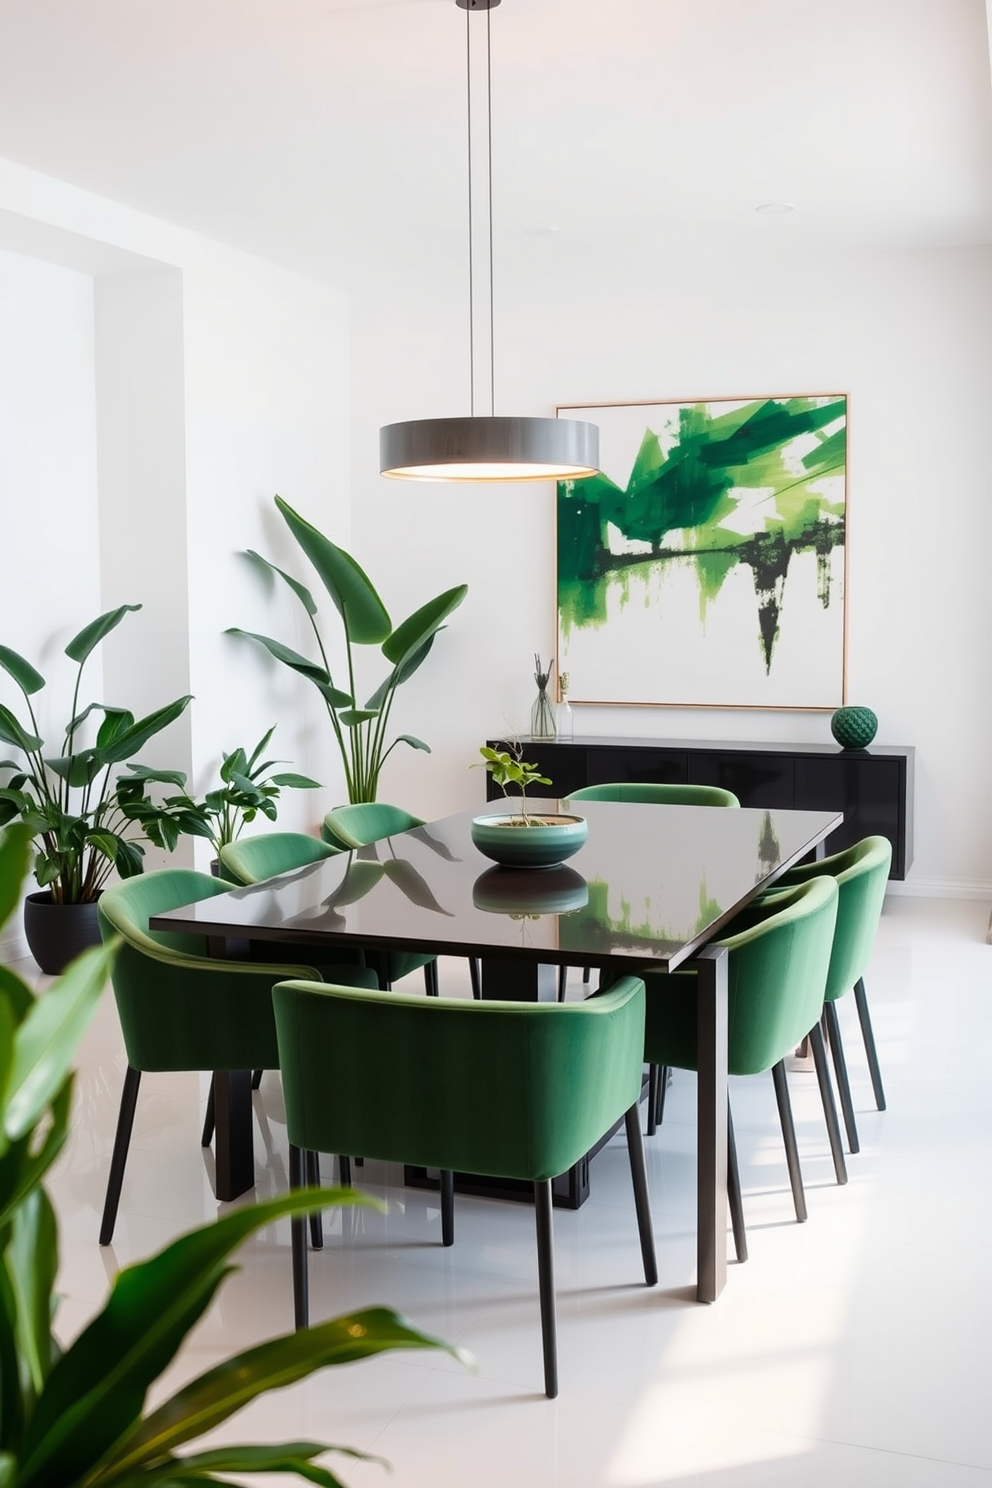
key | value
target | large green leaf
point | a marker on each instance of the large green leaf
(17, 993)
(355, 717)
(26, 1162)
(137, 736)
(334, 696)
(23, 673)
(77, 769)
(294, 1457)
(300, 590)
(311, 669)
(46, 1041)
(32, 1265)
(115, 724)
(12, 1402)
(15, 853)
(91, 635)
(148, 774)
(211, 1398)
(298, 782)
(411, 635)
(11, 732)
(400, 673)
(97, 1389)
(366, 621)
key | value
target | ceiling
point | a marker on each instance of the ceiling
(328, 135)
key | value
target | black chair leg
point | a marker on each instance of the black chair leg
(312, 1165)
(563, 982)
(546, 1283)
(447, 1207)
(256, 1078)
(298, 1228)
(827, 1097)
(125, 1121)
(586, 974)
(344, 1163)
(789, 1138)
(475, 973)
(832, 1025)
(430, 979)
(654, 1075)
(734, 1197)
(207, 1135)
(664, 1080)
(861, 1002)
(642, 1204)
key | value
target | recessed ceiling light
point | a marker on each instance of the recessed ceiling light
(776, 209)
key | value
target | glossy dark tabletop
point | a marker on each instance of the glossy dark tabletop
(651, 883)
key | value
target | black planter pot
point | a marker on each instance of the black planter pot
(56, 933)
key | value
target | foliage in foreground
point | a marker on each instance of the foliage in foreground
(75, 1419)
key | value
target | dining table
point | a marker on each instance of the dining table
(651, 889)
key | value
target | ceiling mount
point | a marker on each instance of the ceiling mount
(486, 447)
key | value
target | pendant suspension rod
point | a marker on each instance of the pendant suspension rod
(489, 123)
(471, 249)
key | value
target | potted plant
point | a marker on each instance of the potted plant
(74, 1413)
(361, 731)
(86, 803)
(522, 839)
(247, 789)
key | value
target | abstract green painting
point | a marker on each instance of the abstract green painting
(704, 565)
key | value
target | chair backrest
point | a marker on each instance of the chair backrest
(178, 1009)
(861, 874)
(125, 909)
(665, 795)
(518, 1090)
(368, 821)
(251, 860)
(776, 976)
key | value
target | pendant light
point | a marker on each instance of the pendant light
(487, 447)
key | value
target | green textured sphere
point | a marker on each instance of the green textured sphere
(854, 728)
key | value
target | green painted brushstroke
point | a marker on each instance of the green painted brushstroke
(688, 492)
(593, 928)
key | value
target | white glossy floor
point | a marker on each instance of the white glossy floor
(852, 1350)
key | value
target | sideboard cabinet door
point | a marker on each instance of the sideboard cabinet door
(870, 793)
(755, 779)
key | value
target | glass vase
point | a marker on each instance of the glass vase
(564, 722)
(542, 716)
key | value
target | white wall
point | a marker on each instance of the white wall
(906, 334)
(219, 380)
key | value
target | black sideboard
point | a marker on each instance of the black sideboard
(873, 787)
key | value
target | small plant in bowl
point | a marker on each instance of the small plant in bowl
(549, 838)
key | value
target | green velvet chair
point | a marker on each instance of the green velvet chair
(179, 1009)
(359, 825)
(251, 860)
(779, 956)
(645, 792)
(861, 873)
(517, 1090)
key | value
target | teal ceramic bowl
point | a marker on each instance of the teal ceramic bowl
(515, 846)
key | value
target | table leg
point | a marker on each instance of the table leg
(234, 1157)
(711, 1163)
